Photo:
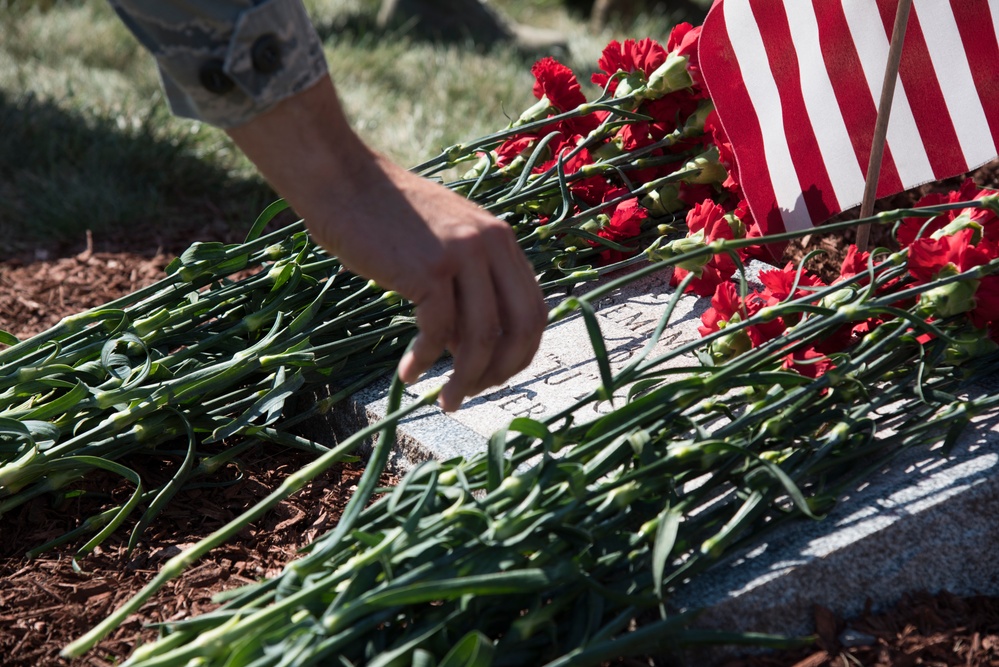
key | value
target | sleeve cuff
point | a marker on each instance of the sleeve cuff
(272, 52)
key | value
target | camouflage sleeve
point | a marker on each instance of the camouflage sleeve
(225, 61)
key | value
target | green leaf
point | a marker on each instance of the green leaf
(210, 251)
(120, 365)
(169, 489)
(309, 312)
(57, 406)
(496, 461)
(497, 583)
(14, 472)
(666, 532)
(265, 217)
(534, 429)
(640, 387)
(233, 264)
(599, 349)
(77, 463)
(43, 433)
(268, 406)
(8, 338)
(423, 658)
(472, 650)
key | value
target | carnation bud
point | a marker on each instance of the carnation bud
(478, 169)
(710, 169)
(730, 346)
(594, 226)
(624, 495)
(736, 225)
(608, 150)
(648, 529)
(950, 299)
(840, 297)
(544, 207)
(695, 122)
(958, 224)
(536, 112)
(664, 201)
(669, 77)
(691, 244)
(634, 81)
(967, 349)
(658, 251)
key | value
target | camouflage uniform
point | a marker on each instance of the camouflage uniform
(225, 61)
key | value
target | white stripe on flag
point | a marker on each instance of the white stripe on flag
(994, 9)
(824, 114)
(943, 41)
(747, 44)
(871, 43)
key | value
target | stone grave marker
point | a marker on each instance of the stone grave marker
(563, 371)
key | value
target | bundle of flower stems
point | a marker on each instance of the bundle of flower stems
(197, 368)
(564, 541)
(195, 359)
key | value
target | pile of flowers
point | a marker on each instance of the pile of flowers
(652, 149)
(552, 545)
(947, 246)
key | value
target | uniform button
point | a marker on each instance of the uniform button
(213, 77)
(266, 54)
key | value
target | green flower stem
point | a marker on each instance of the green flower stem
(291, 484)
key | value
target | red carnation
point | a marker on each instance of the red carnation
(708, 218)
(808, 362)
(645, 56)
(725, 303)
(727, 306)
(683, 42)
(513, 148)
(854, 263)
(778, 283)
(625, 223)
(929, 256)
(968, 191)
(986, 310)
(557, 82)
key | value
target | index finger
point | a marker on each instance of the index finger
(435, 317)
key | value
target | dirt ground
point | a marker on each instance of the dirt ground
(45, 603)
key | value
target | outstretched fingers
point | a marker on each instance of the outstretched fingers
(435, 320)
(501, 317)
(479, 332)
(523, 315)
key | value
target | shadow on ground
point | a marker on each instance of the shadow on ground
(135, 187)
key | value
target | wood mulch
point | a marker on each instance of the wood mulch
(45, 603)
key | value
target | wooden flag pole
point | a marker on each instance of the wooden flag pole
(881, 125)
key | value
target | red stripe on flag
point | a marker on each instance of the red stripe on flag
(859, 109)
(743, 128)
(918, 78)
(979, 40)
(816, 186)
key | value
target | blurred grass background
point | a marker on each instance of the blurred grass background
(87, 142)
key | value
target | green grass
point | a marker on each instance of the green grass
(86, 141)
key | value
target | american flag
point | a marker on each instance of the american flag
(796, 84)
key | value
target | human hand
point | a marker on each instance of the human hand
(474, 291)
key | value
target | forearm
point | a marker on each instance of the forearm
(307, 151)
